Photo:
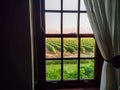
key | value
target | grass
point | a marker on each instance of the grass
(53, 70)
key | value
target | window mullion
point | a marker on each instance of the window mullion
(61, 40)
(78, 30)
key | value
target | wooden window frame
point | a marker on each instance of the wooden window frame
(39, 36)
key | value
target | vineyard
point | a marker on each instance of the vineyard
(70, 49)
(70, 46)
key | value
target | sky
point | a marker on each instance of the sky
(52, 20)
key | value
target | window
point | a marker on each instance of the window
(70, 51)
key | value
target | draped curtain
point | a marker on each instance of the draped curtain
(104, 17)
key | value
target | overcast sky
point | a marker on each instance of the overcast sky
(69, 19)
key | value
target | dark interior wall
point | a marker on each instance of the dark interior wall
(15, 57)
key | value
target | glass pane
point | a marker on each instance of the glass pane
(52, 4)
(87, 69)
(70, 4)
(53, 70)
(87, 47)
(53, 47)
(70, 69)
(82, 5)
(70, 46)
(69, 23)
(85, 27)
(52, 23)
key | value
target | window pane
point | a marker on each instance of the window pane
(53, 47)
(70, 4)
(85, 27)
(52, 21)
(87, 47)
(69, 23)
(52, 4)
(70, 69)
(82, 5)
(87, 69)
(70, 46)
(53, 70)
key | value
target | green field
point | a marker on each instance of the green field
(70, 49)
(53, 70)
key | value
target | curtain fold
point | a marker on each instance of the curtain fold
(104, 17)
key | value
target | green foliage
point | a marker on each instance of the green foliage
(85, 61)
(70, 75)
(73, 42)
(53, 69)
(57, 47)
(88, 44)
(87, 69)
(70, 62)
(53, 74)
(82, 49)
(88, 48)
(86, 72)
(55, 62)
(69, 48)
(50, 48)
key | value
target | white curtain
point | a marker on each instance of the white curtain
(104, 16)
